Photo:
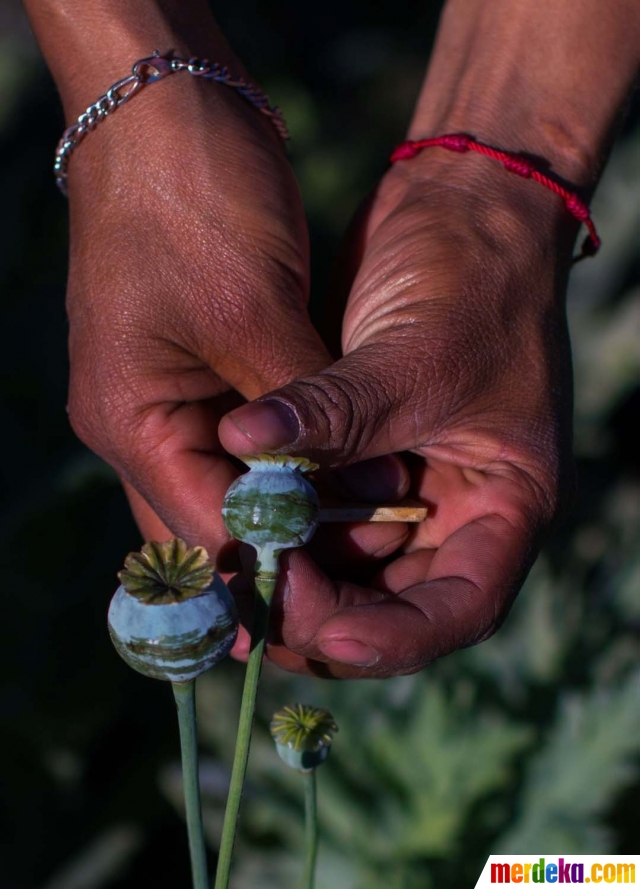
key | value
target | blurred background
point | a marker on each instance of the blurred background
(529, 743)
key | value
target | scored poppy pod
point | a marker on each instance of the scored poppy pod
(173, 616)
(272, 507)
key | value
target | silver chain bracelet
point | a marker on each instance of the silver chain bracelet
(144, 72)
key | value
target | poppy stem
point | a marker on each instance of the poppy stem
(184, 693)
(265, 583)
(310, 827)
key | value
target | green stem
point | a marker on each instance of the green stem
(184, 693)
(265, 585)
(310, 828)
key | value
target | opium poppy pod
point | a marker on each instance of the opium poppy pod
(272, 507)
(173, 617)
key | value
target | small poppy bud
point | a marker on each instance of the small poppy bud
(303, 735)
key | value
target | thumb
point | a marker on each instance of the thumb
(354, 410)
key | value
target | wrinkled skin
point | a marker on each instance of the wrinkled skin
(456, 350)
(187, 292)
(187, 296)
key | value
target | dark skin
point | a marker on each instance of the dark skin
(189, 271)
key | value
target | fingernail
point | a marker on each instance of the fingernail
(382, 478)
(348, 651)
(269, 425)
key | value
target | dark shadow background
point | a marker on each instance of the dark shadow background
(82, 739)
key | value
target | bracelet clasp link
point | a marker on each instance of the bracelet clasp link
(152, 68)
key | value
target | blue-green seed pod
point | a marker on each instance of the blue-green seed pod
(272, 507)
(303, 735)
(173, 617)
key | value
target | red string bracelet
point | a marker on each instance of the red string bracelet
(514, 163)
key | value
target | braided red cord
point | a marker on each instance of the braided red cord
(514, 163)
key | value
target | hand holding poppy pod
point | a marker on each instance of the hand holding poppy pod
(454, 340)
(466, 371)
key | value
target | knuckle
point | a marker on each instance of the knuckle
(97, 415)
(346, 410)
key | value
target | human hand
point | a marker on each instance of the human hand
(187, 293)
(189, 267)
(456, 351)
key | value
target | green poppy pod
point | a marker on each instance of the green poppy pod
(303, 735)
(173, 617)
(272, 507)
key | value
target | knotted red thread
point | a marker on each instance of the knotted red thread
(514, 163)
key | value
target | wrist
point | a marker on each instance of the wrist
(551, 148)
(520, 165)
(89, 44)
(476, 193)
(521, 77)
(169, 140)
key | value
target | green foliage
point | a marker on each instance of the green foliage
(585, 760)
